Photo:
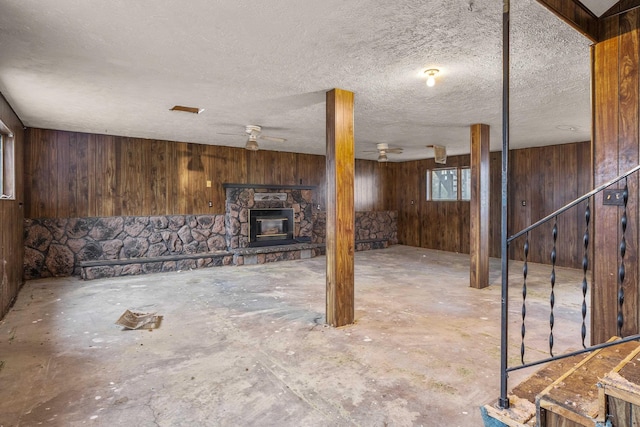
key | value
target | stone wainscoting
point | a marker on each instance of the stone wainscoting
(369, 226)
(146, 244)
(56, 247)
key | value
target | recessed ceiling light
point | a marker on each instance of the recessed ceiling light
(194, 110)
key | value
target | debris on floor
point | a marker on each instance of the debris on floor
(135, 320)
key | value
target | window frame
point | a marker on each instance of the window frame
(430, 180)
(7, 163)
(459, 183)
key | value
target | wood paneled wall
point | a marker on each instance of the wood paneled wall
(71, 174)
(11, 219)
(616, 103)
(546, 178)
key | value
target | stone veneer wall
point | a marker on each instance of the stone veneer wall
(241, 199)
(375, 225)
(55, 247)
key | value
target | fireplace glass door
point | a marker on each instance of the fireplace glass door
(270, 227)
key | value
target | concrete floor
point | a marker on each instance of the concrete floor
(245, 346)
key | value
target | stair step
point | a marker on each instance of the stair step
(620, 392)
(522, 409)
(573, 399)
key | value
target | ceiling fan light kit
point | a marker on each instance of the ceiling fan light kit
(383, 149)
(255, 133)
(252, 144)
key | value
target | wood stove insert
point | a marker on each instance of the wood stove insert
(269, 227)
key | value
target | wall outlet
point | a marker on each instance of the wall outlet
(208, 184)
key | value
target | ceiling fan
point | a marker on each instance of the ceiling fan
(255, 133)
(440, 153)
(383, 149)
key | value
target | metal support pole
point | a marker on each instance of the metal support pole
(504, 400)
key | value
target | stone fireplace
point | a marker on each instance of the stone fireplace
(272, 203)
(272, 226)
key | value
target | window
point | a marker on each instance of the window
(444, 184)
(449, 184)
(7, 167)
(465, 184)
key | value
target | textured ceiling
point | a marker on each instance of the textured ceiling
(598, 7)
(118, 66)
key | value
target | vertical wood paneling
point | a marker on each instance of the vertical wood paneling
(409, 184)
(157, 165)
(106, 160)
(544, 187)
(606, 136)
(79, 146)
(86, 175)
(495, 207)
(368, 187)
(628, 158)
(63, 189)
(11, 217)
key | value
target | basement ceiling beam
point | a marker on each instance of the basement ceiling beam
(575, 14)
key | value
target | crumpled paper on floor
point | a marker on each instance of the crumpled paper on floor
(136, 320)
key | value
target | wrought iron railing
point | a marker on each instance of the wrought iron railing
(525, 234)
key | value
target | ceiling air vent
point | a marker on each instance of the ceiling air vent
(194, 110)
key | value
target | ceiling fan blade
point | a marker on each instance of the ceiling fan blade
(272, 138)
(394, 150)
(232, 134)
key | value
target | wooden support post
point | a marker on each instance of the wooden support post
(479, 207)
(340, 239)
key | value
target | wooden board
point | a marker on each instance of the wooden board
(540, 380)
(620, 392)
(616, 110)
(575, 396)
(11, 217)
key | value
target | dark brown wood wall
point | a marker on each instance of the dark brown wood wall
(11, 219)
(71, 174)
(546, 178)
(616, 103)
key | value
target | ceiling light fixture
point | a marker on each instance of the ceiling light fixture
(431, 76)
(252, 143)
(382, 157)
